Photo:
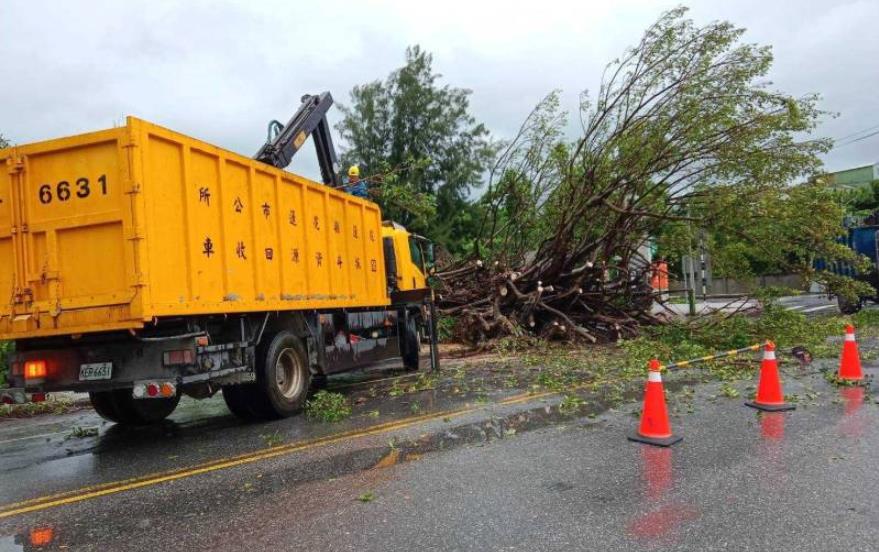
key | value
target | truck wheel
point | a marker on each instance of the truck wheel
(120, 407)
(105, 405)
(282, 377)
(411, 345)
(848, 307)
(240, 399)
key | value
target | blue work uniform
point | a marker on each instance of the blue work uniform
(359, 189)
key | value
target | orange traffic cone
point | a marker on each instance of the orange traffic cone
(655, 428)
(850, 362)
(769, 395)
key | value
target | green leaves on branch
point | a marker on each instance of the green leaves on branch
(753, 230)
(682, 128)
(515, 214)
(862, 200)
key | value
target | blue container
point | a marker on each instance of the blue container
(861, 240)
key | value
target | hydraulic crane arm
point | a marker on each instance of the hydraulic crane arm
(285, 140)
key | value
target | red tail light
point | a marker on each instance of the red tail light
(35, 369)
(177, 358)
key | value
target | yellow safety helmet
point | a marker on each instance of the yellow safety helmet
(354, 171)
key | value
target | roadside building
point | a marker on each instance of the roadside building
(858, 177)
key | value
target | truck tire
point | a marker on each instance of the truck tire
(410, 344)
(239, 399)
(105, 406)
(120, 407)
(848, 307)
(283, 377)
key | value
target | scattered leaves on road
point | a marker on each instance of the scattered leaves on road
(28, 410)
(83, 432)
(570, 405)
(272, 439)
(327, 407)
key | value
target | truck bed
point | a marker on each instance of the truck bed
(114, 229)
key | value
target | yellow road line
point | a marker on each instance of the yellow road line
(96, 491)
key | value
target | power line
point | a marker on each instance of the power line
(856, 133)
(850, 142)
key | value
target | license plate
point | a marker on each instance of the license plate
(96, 371)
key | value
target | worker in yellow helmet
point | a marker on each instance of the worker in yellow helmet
(356, 187)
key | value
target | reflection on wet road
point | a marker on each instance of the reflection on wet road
(44, 456)
(740, 480)
(664, 515)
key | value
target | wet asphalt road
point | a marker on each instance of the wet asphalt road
(812, 304)
(42, 456)
(808, 304)
(802, 480)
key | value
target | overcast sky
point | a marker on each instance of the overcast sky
(221, 70)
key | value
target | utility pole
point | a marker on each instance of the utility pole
(691, 272)
(703, 265)
(691, 289)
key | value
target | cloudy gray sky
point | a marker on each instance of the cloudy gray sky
(220, 70)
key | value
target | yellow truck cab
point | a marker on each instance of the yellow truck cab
(409, 257)
(138, 264)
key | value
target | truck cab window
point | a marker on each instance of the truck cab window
(415, 252)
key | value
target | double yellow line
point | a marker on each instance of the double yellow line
(104, 489)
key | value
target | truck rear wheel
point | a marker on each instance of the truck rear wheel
(105, 406)
(282, 381)
(120, 407)
(239, 399)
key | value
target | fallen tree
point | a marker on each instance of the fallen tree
(683, 134)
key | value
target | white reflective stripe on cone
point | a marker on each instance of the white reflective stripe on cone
(850, 337)
(768, 355)
(654, 377)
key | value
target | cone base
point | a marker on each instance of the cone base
(771, 407)
(659, 442)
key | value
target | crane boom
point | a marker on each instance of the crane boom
(310, 119)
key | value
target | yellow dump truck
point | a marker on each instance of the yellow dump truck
(139, 264)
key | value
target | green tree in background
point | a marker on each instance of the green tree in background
(862, 201)
(4, 143)
(420, 147)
